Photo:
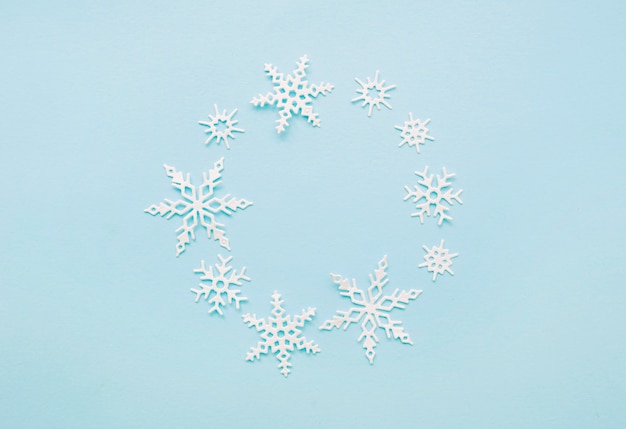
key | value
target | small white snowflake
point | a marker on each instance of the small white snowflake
(292, 94)
(281, 335)
(373, 93)
(198, 206)
(438, 260)
(433, 195)
(221, 126)
(414, 132)
(372, 309)
(217, 284)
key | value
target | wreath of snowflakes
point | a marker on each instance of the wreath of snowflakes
(434, 195)
(372, 309)
(221, 126)
(198, 206)
(438, 260)
(216, 285)
(293, 94)
(414, 132)
(280, 334)
(373, 93)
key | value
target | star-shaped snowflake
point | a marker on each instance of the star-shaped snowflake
(217, 284)
(433, 196)
(414, 132)
(198, 206)
(373, 93)
(292, 94)
(438, 260)
(281, 335)
(221, 126)
(372, 310)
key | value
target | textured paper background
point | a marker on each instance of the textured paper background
(97, 324)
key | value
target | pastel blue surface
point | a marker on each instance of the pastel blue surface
(98, 327)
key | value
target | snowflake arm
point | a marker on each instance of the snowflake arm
(433, 196)
(263, 100)
(372, 309)
(293, 94)
(217, 284)
(198, 206)
(221, 127)
(280, 334)
(378, 280)
(373, 93)
(346, 318)
(368, 337)
(190, 221)
(252, 321)
(414, 132)
(438, 260)
(188, 192)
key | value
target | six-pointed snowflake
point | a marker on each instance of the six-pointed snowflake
(281, 335)
(221, 127)
(372, 310)
(292, 94)
(438, 260)
(433, 196)
(373, 93)
(414, 132)
(198, 206)
(217, 284)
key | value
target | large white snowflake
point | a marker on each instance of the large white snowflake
(438, 260)
(216, 285)
(199, 205)
(221, 126)
(433, 195)
(292, 94)
(281, 334)
(372, 310)
(373, 93)
(414, 132)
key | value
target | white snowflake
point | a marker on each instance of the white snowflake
(414, 132)
(372, 309)
(438, 260)
(217, 284)
(198, 206)
(281, 335)
(292, 94)
(373, 93)
(221, 126)
(433, 195)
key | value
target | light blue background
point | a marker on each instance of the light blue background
(526, 99)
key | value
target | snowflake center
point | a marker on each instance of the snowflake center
(374, 93)
(197, 205)
(370, 308)
(221, 126)
(433, 196)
